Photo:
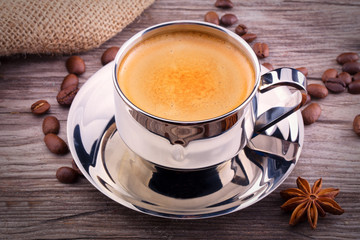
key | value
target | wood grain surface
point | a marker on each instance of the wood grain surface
(34, 205)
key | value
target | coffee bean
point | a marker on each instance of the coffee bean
(356, 125)
(40, 107)
(347, 57)
(303, 70)
(268, 66)
(67, 95)
(354, 87)
(75, 167)
(55, 144)
(228, 19)
(75, 64)
(329, 73)
(351, 67)
(51, 125)
(70, 79)
(66, 175)
(241, 29)
(335, 85)
(109, 55)
(356, 76)
(317, 90)
(261, 50)
(249, 37)
(212, 17)
(345, 77)
(224, 4)
(311, 113)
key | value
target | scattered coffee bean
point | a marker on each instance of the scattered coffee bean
(249, 37)
(55, 144)
(40, 107)
(303, 70)
(241, 29)
(311, 113)
(67, 95)
(329, 73)
(224, 4)
(228, 19)
(66, 175)
(109, 55)
(356, 76)
(335, 85)
(354, 87)
(356, 125)
(75, 167)
(347, 57)
(212, 17)
(351, 67)
(268, 66)
(70, 79)
(75, 64)
(345, 77)
(261, 50)
(51, 125)
(317, 90)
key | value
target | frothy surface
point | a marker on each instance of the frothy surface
(186, 76)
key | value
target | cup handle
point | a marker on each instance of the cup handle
(291, 78)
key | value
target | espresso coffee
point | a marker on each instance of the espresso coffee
(186, 76)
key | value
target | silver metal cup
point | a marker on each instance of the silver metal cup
(201, 144)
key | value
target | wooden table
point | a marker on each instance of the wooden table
(34, 205)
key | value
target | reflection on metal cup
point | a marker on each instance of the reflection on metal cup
(199, 144)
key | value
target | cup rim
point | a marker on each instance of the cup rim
(127, 46)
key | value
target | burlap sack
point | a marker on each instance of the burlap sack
(63, 26)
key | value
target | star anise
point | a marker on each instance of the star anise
(310, 202)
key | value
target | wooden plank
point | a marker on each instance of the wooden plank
(34, 205)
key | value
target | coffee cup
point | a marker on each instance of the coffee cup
(187, 94)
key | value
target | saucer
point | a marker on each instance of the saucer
(128, 179)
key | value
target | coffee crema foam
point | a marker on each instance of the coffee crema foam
(186, 76)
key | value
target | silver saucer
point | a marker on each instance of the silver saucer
(126, 178)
